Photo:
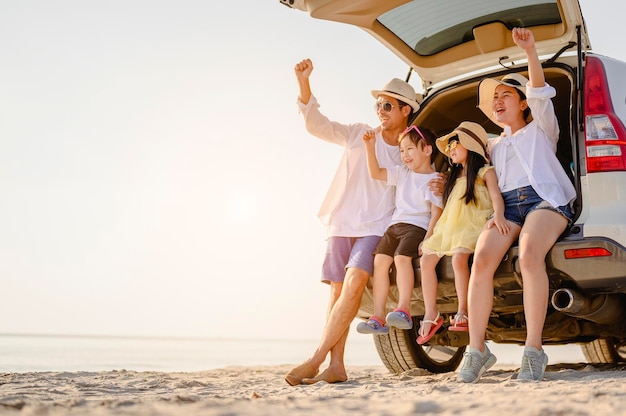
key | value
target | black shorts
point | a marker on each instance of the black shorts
(401, 239)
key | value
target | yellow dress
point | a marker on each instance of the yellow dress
(457, 229)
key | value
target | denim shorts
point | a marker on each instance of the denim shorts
(520, 202)
(401, 239)
(345, 252)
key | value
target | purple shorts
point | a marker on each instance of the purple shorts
(345, 252)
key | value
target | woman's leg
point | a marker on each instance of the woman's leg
(540, 231)
(490, 249)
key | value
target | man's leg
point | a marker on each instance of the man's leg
(306, 369)
(357, 256)
(336, 352)
(335, 291)
(337, 327)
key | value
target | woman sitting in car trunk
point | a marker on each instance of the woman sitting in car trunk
(537, 194)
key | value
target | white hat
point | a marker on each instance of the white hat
(487, 88)
(472, 136)
(400, 90)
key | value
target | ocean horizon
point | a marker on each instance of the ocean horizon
(21, 353)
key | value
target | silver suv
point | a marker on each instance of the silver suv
(457, 43)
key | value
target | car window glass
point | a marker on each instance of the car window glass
(432, 26)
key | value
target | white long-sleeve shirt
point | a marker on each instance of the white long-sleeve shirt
(528, 157)
(355, 205)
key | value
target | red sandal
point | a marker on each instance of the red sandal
(435, 325)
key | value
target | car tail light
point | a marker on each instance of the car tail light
(582, 253)
(605, 135)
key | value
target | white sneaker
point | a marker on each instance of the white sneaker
(475, 363)
(534, 364)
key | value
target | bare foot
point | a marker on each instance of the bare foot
(304, 370)
(328, 376)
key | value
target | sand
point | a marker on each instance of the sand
(568, 389)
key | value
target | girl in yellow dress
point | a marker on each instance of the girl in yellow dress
(470, 196)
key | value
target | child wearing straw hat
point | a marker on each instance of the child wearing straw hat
(470, 195)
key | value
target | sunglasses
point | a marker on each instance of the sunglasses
(413, 127)
(385, 106)
(452, 143)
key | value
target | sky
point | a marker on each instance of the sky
(157, 179)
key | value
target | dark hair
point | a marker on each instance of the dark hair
(472, 165)
(403, 104)
(427, 136)
(527, 109)
(430, 139)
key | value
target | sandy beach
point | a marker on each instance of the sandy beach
(568, 389)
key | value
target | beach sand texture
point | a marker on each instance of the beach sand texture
(568, 389)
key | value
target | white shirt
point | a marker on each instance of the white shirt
(413, 197)
(355, 205)
(528, 157)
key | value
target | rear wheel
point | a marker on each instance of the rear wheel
(605, 350)
(399, 352)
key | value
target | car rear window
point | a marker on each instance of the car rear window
(432, 26)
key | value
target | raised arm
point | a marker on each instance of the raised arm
(525, 39)
(376, 172)
(303, 71)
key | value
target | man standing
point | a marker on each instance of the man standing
(356, 211)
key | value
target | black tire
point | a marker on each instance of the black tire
(400, 352)
(604, 351)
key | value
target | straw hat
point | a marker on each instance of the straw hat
(487, 88)
(400, 90)
(472, 136)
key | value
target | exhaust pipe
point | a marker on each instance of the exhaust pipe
(602, 309)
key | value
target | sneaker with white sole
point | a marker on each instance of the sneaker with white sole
(400, 319)
(475, 363)
(534, 364)
(374, 326)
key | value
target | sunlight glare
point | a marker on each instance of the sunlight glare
(243, 205)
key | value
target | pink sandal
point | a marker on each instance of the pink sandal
(435, 325)
(459, 323)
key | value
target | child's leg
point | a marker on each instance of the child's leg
(432, 321)
(428, 263)
(380, 284)
(460, 265)
(405, 279)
